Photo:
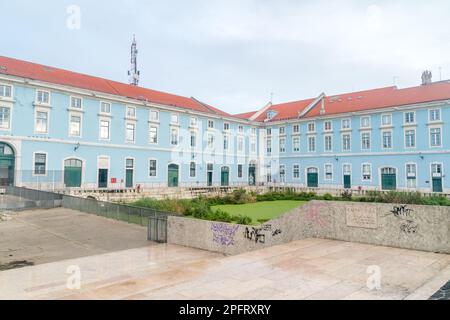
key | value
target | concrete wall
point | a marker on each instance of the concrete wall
(424, 228)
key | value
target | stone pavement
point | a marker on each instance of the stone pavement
(306, 269)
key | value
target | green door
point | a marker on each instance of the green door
(437, 185)
(313, 178)
(210, 178)
(103, 178)
(129, 178)
(347, 181)
(252, 175)
(7, 163)
(173, 175)
(73, 169)
(225, 177)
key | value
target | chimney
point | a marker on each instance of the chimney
(427, 77)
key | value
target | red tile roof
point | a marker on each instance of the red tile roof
(245, 115)
(52, 75)
(363, 100)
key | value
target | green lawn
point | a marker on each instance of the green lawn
(261, 210)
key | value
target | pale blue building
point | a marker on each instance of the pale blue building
(60, 129)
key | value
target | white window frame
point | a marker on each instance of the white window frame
(11, 89)
(293, 144)
(370, 170)
(284, 175)
(43, 110)
(193, 122)
(407, 176)
(404, 118)
(253, 146)
(100, 129)
(343, 144)
(127, 112)
(174, 116)
(313, 125)
(242, 171)
(349, 124)
(193, 133)
(314, 139)
(282, 146)
(325, 126)
(75, 114)
(210, 124)
(382, 139)
(282, 131)
(293, 171)
(157, 134)
(134, 131)
(156, 168)
(325, 143)
(240, 144)
(296, 129)
(406, 140)
(34, 174)
(195, 170)
(153, 111)
(43, 103)
(10, 118)
(369, 122)
(226, 126)
(362, 141)
(430, 144)
(101, 108)
(71, 105)
(325, 172)
(210, 143)
(390, 121)
(433, 110)
(177, 137)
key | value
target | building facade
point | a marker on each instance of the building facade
(60, 129)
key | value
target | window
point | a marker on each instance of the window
(296, 128)
(193, 139)
(296, 144)
(43, 97)
(129, 163)
(387, 140)
(240, 144)
(386, 120)
(296, 171)
(365, 122)
(210, 141)
(269, 146)
(210, 124)
(153, 134)
(240, 171)
(269, 132)
(76, 103)
(193, 122)
(365, 140)
(366, 172)
(436, 170)
(253, 145)
(105, 107)
(253, 131)
(104, 129)
(328, 143)
(174, 118)
(311, 127)
(131, 112)
(41, 125)
(346, 142)
(410, 138)
(40, 163)
(346, 124)
(282, 130)
(75, 126)
(269, 173)
(5, 117)
(152, 168)
(410, 117)
(435, 115)
(282, 145)
(174, 136)
(225, 142)
(5, 91)
(328, 126)
(435, 137)
(226, 126)
(328, 172)
(154, 115)
(192, 170)
(130, 132)
(282, 173)
(411, 176)
(241, 129)
(311, 144)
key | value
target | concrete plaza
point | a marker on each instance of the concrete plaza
(307, 269)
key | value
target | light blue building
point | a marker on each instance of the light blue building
(60, 129)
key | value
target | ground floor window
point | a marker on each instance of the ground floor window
(152, 168)
(240, 171)
(282, 173)
(411, 176)
(192, 170)
(296, 171)
(367, 172)
(40, 163)
(328, 172)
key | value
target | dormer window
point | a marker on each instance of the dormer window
(43, 97)
(271, 114)
(76, 103)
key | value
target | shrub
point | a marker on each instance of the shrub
(240, 219)
(262, 221)
(327, 197)
(347, 195)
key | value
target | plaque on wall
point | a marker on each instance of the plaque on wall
(361, 217)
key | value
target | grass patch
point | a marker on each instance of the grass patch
(260, 211)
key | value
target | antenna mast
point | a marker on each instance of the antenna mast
(134, 73)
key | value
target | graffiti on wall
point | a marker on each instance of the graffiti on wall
(405, 215)
(224, 234)
(259, 234)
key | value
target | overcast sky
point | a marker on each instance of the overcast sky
(233, 54)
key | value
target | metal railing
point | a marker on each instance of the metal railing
(36, 198)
